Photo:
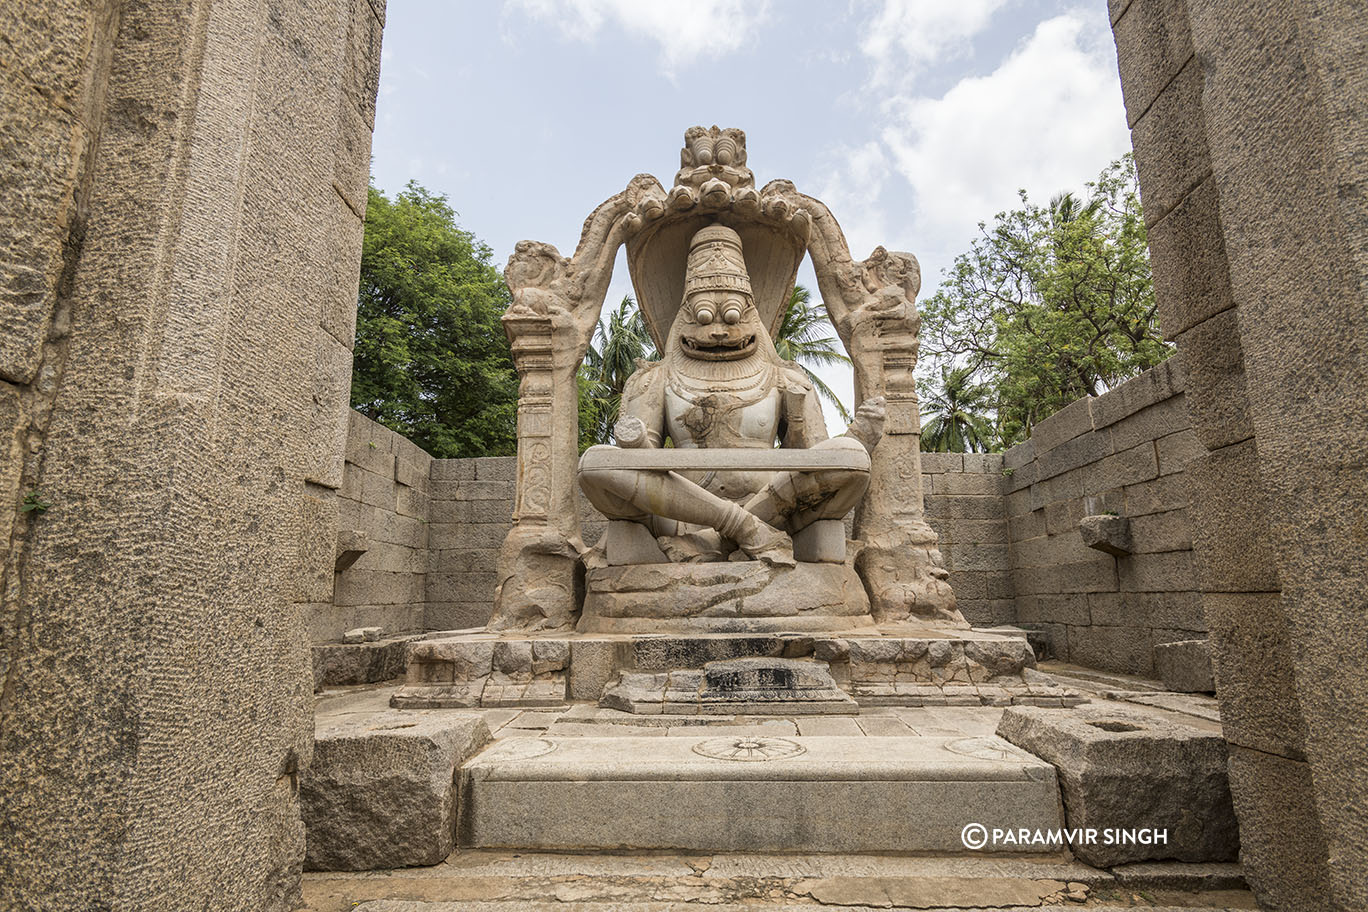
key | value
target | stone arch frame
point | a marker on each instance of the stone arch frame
(556, 305)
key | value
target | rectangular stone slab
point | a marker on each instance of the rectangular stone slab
(725, 459)
(833, 794)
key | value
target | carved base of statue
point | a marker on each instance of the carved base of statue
(731, 597)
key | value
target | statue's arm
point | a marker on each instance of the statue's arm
(641, 414)
(805, 424)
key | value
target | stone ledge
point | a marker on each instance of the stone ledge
(341, 664)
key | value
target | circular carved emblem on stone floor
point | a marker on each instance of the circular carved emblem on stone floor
(749, 749)
(981, 749)
(522, 748)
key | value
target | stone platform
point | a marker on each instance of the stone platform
(906, 667)
(752, 792)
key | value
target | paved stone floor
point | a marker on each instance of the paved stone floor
(503, 881)
(489, 881)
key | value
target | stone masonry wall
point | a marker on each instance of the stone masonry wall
(384, 497)
(965, 505)
(1122, 452)
(1248, 125)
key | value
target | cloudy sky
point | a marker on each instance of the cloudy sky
(913, 120)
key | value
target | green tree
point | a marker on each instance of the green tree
(1051, 304)
(956, 414)
(800, 339)
(431, 359)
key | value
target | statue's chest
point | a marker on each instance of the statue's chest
(721, 419)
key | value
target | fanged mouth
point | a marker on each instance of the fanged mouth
(720, 351)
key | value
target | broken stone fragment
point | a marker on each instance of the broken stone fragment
(381, 791)
(1110, 534)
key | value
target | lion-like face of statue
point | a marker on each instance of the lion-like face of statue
(719, 326)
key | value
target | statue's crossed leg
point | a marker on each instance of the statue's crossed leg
(790, 499)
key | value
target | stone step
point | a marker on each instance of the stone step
(492, 880)
(751, 792)
(401, 905)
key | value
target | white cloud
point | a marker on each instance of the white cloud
(909, 35)
(686, 30)
(1047, 119)
(854, 190)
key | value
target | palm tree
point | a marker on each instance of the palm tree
(609, 361)
(800, 340)
(956, 423)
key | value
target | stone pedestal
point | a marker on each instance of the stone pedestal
(910, 667)
(733, 597)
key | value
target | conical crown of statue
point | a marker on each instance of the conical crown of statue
(716, 262)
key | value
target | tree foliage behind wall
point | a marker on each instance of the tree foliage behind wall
(1050, 304)
(431, 359)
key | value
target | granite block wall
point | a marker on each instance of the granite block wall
(384, 497)
(1124, 452)
(472, 511)
(964, 500)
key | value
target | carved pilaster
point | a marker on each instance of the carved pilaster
(872, 304)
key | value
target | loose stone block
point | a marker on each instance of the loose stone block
(380, 791)
(1185, 666)
(1120, 768)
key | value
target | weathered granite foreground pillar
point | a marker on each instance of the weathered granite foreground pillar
(1249, 132)
(184, 188)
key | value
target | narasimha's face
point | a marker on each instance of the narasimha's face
(718, 326)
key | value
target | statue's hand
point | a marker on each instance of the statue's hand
(630, 432)
(869, 421)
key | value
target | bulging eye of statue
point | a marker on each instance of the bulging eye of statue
(732, 312)
(704, 315)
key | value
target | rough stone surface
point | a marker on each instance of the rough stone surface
(162, 301)
(1109, 534)
(1185, 666)
(381, 790)
(739, 596)
(341, 664)
(1119, 767)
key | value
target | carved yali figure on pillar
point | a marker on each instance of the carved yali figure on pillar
(722, 386)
